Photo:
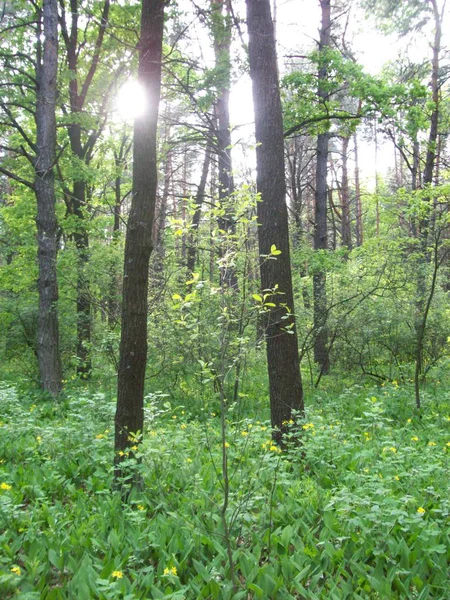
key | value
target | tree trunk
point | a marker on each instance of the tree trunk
(222, 43)
(345, 197)
(321, 354)
(359, 222)
(44, 184)
(199, 197)
(83, 152)
(138, 246)
(286, 393)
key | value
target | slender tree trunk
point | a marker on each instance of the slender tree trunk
(359, 223)
(222, 30)
(82, 151)
(286, 393)
(345, 197)
(138, 246)
(321, 354)
(199, 197)
(44, 184)
(423, 303)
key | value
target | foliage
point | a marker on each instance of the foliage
(359, 511)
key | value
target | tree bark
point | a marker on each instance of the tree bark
(199, 197)
(44, 185)
(83, 152)
(321, 354)
(345, 197)
(138, 246)
(222, 33)
(359, 221)
(286, 393)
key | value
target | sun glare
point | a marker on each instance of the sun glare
(131, 101)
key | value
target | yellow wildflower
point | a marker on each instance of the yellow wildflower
(307, 426)
(117, 574)
(141, 507)
(227, 445)
(414, 438)
(397, 478)
(174, 416)
(170, 571)
(134, 448)
(99, 436)
(5, 486)
(183, 426)
(421, 510)
(244, 433)
(274, 448)
(447, 444)
(432, 443)
(189, 460)
(16, 570)
(409, 421)
(38, 439)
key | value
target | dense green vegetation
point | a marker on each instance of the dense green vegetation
(359, 510)
(153, 266)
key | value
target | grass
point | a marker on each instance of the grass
(359, 511)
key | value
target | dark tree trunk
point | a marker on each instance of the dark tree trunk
(83, 152)
(286, 394)
(138, 246)
(321, 354)
(44, 184)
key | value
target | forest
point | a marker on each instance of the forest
(224, 299)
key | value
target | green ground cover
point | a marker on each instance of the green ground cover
(359, 511)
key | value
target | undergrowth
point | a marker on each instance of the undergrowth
(358, 510)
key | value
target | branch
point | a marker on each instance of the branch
(16, 125)
(339, 117)
(17, 178)
(96, 57)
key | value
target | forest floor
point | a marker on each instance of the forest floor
(359, 510)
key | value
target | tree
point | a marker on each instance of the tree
(39, 150)
(44, 186)
(321, 353)
(285, 384)
(138, 246)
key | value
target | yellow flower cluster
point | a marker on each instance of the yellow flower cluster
(307, 426)
(16, 570)
(117, 574)
(269, 445)
(5, 486)
(170, 571)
